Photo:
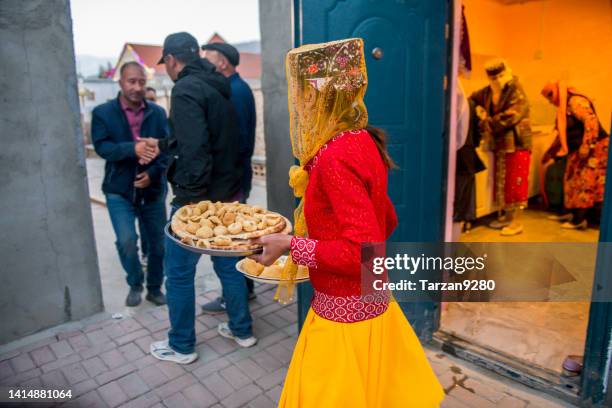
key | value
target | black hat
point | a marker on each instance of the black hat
(495, 67)
(231, 53)
(183, 44)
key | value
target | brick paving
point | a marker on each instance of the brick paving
(107, 364)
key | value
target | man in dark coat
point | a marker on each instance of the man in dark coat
(205, 165)
(225, 58)
(503, 112)
(133, 190)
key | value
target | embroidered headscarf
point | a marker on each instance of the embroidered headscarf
(327, 83)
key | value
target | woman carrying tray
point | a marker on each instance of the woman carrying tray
(355, 349)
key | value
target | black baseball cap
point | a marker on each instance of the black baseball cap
(182, 43)
(231, 53)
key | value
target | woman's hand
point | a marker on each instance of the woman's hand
(274, 245)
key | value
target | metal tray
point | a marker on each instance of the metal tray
(210, 251)
(265, 280)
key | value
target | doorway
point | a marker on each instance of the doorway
(540, 41)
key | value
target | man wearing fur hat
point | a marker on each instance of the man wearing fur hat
(503, 113)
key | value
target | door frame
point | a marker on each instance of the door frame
(597, 372)
(305, 291)
(594, 387)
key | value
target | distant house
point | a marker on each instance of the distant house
(249, 69)
(148, 55)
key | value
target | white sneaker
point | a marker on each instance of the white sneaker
(225, 331)
(568, 225)
(161, 350)
(510, 230)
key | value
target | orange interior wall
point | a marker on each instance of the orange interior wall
(544, 40)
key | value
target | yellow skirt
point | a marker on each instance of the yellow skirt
(376, 363)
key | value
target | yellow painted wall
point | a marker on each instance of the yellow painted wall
(544, 40)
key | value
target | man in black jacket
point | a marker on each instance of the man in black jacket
(205, 165)
(133, 190)
(225, 58)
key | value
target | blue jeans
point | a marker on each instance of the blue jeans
(144, 249)
(180, 269)
(152, 218)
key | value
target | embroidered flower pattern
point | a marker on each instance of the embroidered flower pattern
(341, 63)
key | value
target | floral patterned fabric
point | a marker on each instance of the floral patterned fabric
(585, 177)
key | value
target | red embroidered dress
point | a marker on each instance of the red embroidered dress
(346, 205)
(356, 349)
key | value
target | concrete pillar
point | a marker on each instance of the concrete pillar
(276, 40)
(48, 260)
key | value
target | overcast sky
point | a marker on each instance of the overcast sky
(101, 27)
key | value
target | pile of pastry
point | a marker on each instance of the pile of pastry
(225, 226)
(274, 271)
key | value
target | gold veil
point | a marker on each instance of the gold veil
(327, 83)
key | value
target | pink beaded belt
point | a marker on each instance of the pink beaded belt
(350, 309)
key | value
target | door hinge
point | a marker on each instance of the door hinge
(446, 30)
(445, 82)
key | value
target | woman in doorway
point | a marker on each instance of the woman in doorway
(356, 348)
(581, 137)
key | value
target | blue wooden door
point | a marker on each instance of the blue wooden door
(406, 58)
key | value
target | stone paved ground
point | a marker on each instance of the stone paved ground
(106, 364)
(112, 275)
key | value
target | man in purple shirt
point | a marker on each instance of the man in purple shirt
(134, 190)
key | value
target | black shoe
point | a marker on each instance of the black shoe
(214, 307)
(133, 298)
(157, 298)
